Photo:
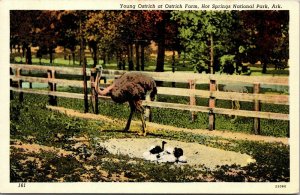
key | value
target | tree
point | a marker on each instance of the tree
(269, 32)
(46, 29)
(68, 30)
(102, 30)
(23, 31)
(205, 36)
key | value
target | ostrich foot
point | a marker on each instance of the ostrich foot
(142, 134)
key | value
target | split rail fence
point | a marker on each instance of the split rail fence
(191, 79)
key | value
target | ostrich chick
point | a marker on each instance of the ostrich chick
(154, 152)
(178, 152)
(158, 149)
(131, 87)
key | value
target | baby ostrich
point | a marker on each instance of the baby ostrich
(158, 149)
(235, 88)
(178, 152)
(131, 87)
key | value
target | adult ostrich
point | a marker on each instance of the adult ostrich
(131, 87)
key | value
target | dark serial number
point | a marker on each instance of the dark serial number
(280, 186)
(21, 185)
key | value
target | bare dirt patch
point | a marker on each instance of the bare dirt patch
(196, 154)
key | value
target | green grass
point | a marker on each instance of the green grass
(150, 64)
(182, 119)
(257, 71)
(31, 122)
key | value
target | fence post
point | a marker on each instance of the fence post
(192, 85)
(256, 89)
(30, 83)
(212, 104)
(52, 87)
(86, 104)
(18, 74)
(94, 97)
(147, 114)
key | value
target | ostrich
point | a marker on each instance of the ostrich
(158, 149)
(172, 155)
(131, 87)
(235, 88)
(154, 152)
(178, 152)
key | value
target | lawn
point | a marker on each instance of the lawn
(150, 64)
(34, 125)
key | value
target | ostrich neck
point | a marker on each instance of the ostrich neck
(98, 90)
(163, 145)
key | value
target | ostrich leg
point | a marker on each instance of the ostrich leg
(132, 109)
(138, 106)
(143, 124)
(237, 107)
(141, 110)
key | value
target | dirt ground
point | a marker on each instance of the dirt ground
(196, 154)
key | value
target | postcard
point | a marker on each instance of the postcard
(133, 96)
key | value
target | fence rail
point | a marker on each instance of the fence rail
(191, 79)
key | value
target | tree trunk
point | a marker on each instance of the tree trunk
(128, 53)
(65, 54)
(81, 53)
(264, 68)
(173, 65)
(184, 58)
(130, 57)
(137, 56)
(264, 63)
(161, 46)
(211, 68)
(131, 52)
(51, 55)
(28, 55)
(24, 46)
(142, 57)
(73, 56)
(95, 55)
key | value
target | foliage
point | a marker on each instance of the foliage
(205, 35)
(269, 32)
(228, 64)
(261, 36)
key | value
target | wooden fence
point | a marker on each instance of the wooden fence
(178, 77)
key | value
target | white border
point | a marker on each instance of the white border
(203, 187)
